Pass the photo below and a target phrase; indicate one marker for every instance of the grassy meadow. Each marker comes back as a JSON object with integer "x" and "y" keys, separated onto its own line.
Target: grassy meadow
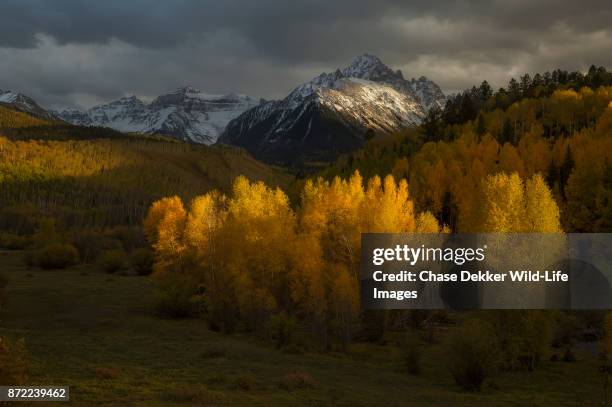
{"x": 99, "y": 334}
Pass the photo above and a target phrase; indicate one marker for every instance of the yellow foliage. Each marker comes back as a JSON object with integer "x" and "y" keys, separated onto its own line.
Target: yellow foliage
{"x": 510, "y": 206}
{"x": 251, "y": 252}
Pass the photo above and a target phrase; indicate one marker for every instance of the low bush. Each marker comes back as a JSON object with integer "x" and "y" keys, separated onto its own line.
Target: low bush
{"x": 281, "y": 329}
{"x": 56, "y": 256}
{"x": 130, "y": 237}
{"x": 14, "y": 242}
{"x": 13, "y": 362}
{"x": 89, "y": 244}
{"x": 176, "y": 299}
{"x": 221, "y": 313}
{"x": 142, "y": 261}
{"x": 113, "y": 261}
{"x": 472, "y": 355}
{"x": 523, "y": 337}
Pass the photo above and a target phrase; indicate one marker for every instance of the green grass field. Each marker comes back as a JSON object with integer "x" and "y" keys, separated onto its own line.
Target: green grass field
{"x": 98, "y": 333}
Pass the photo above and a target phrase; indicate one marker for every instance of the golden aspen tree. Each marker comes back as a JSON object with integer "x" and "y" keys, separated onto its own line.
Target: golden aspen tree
{"x": 541, "y": 211}
{"x": 502, "y": 203}
{"x": 205, "y": 220}
{"x": 258, "y": 234}
{"x": 386, "y": 207}
{"x": 169, "y": 244}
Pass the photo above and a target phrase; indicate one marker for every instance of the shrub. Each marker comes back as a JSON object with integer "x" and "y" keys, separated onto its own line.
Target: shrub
{"x": 472, "y": 355}
{"x": 281, "y": 328}
{"x": 296, "y": 380}
{"x": 130, "y": 237}
{"x": 142, "y": 261}
{"x": 13, "y": 362}
{"x": 176, "y": 299}
{"x": 56, "y": 256}
{"x": 14, "y": 242}
{"x": 88, "y": 243}
{"x": 221, "y": 313}
{"x": 411, "y": 354}
{"x": 523, "y": 337}
{"x": 113, "y": 261}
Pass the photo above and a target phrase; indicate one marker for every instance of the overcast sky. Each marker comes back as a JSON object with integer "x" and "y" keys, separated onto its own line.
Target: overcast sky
{"x": 79, "y": 53}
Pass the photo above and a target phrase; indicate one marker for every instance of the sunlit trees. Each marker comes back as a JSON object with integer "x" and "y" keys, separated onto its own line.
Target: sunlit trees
{"x": 205, "y": 220}
{"x": 165, "y": 226}
{"x": 251, "y": 256}
{"x": 541, "y": 212}
{"x": 507, "y": 205}
{"x": 258, "y": 232}
{"x": 331, "y": 218}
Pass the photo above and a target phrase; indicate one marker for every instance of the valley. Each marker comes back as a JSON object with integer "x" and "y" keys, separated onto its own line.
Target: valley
{"x": 69, "y": 321}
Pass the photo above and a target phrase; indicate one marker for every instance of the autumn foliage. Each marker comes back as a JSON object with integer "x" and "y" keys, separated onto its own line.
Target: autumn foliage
{"x": 250, "y": 255}
{"x": 253, "y": 255}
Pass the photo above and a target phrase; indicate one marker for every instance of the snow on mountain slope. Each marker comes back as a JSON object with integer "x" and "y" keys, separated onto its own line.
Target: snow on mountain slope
{"x": 371, "y": 68}
{"x": 187, "y": 114}
{"x": 332, "y": 113}
{"x": 25, "y": 104}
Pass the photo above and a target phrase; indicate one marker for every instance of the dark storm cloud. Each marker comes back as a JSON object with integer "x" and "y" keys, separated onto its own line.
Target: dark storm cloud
{"x": 79, "y": 52}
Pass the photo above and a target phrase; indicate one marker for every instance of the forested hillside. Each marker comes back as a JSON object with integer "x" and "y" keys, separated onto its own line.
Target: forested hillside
{"x": 96, "y": 177}
{"x": 566, "y": 137}
{"x": 250, "y": 260}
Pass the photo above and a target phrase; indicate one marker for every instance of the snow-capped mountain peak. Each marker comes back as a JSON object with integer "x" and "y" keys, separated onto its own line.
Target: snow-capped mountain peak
{"x": 24, "y": 103}
{"x": 371, "y": 68}
{"x": 331, "y": 113}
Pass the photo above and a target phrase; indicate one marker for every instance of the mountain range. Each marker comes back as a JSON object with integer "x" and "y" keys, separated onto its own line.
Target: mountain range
{"x": 333, "y": 113}
{"x": 186, "y": 114}
{"x": 320, "y": 119}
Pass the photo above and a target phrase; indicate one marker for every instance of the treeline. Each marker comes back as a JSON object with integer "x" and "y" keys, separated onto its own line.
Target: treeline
{"x": 249, "y": 260}
{"x": 564, "y": 137}
{"x": 470, "y": 104}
